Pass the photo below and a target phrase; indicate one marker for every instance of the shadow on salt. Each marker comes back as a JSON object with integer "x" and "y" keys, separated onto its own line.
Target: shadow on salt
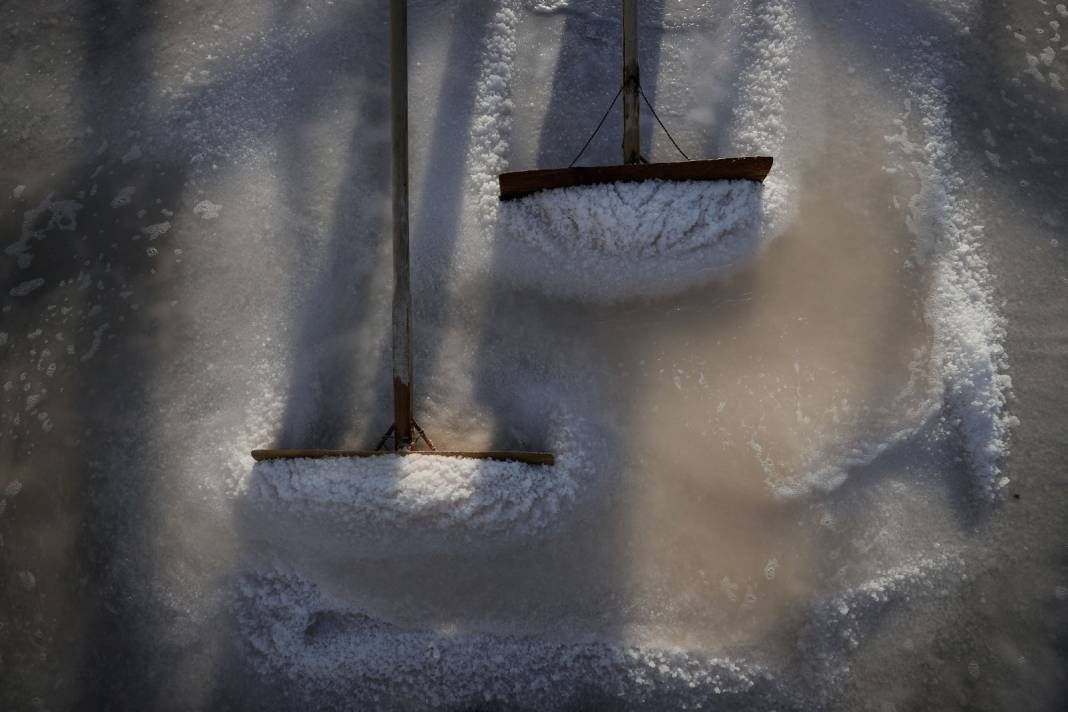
{"x": 614, "y": 242}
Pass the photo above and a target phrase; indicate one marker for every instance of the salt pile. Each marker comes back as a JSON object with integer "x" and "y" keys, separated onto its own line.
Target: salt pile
{"x": 339, "y": 654}
{"x": 968, "y": 330}
{"x": 606, "y": 244}
{"x": 609, "y": 242}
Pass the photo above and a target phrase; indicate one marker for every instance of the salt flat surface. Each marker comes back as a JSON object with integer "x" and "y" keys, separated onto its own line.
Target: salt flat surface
{"x": 809, "y": 433}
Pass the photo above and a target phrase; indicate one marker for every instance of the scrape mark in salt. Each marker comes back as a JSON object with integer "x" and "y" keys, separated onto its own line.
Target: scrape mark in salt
{"x": 207, "y": 209}
{"x": 124, "y": 197}
{"x": 98, "y": 334}
{"x": 26, "y": 287}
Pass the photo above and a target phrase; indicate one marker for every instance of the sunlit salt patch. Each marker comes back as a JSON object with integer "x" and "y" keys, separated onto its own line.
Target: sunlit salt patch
{"x": 619, "y": 241}
{"x": 335, "y": 652}
{"x": 420, "y": 500}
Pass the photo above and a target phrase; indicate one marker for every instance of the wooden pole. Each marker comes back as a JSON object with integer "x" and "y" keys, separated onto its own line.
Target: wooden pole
{"x": 402, "y": 297}
{"x": 631, "y": 129}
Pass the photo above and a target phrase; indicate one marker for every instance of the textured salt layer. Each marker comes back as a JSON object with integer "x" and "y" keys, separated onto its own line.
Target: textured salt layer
{"x": 36, "y": 223}
{"x": 841, "y": 623}
{"x": 610, "y": 242}
{"x": 426, "y": 497}
{"x": 340, "y": 656}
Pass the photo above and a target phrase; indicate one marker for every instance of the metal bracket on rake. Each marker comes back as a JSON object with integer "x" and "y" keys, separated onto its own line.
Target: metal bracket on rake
{"x": 420, "y": 434}
{"x": 382, "y": 443}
